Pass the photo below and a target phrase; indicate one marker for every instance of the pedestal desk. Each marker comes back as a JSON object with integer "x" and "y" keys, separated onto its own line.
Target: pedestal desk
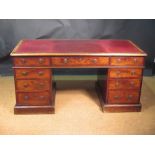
{"x": 120, "y": 60}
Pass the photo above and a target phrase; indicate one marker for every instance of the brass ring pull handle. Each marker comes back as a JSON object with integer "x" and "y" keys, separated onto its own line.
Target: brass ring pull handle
{"x": 65, "y": 60}
{"x": 130, "y": 97}
{"x": 24, "y": 73}
{"x": 26, "y": 85}
{"x": 135, "y": 60}
{"x": 41, "y": 84}
{"x": 133, "y": 72}
{"x": 26, "y": 97}
{"x": 117, "y": 84}
{"x": 116, "y": 97}
{"x": 94, "y": 60}
{"x": 118, "y": 73}
{"x": 41, "y": 60}
{"x": 119, "y": 60}
{"x": 132, "y": 83}
{"x": 23, "y": 61}
{"x": 42, "y": 97}
{"x": 40, "y": 73}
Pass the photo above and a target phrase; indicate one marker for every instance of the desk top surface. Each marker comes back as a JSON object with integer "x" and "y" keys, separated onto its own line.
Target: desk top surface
{"x": 66, "y": 47}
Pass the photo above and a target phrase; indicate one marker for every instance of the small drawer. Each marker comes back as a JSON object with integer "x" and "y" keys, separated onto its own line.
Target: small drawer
{"x": 83, "y": 61}
{"x": 33, "y": 99}
{"x": 124, "y": 73}
{"x": 124, "y": 84}
{"x": 127, "y": 61}
{"x": 32, "y": 85}
{"x": 31, "y": 61}
{"x": 24, "y": 73}
{"x": 120, "y": 97}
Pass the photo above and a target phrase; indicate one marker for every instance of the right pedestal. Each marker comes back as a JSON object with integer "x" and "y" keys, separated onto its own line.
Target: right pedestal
{"x": 120, "y": 89}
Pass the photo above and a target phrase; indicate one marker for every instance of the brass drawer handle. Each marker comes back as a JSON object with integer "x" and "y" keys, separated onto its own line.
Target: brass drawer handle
{"x": 41, "y": 60}
{"x": 135, "y": 60}
{"x": 41, "y": 73}
{"x": 133, "y": 72}
{"x": 132, "y": 83}
{"x": 119, "y": 60}
{"x": 118, "y": 73}
{"x": 130, "y": 97}
{"x": 26, "y": 97}
{"x": 26, "y": 85}
{"x": 42, "y": 97}
{"x": 23, "y": 61}
{"x": 116, "y": 97}
{"x": 65, "y": 60}
{"x": 94, "y": 60}
{"x": 41, "y": 84}
{"x": 116, "y": 84}
{"x": 24, "y": 73}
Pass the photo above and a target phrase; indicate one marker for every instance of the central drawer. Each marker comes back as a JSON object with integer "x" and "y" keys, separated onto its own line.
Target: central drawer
{"x": 32, "y": 85}
{"x": 82, "y": 61}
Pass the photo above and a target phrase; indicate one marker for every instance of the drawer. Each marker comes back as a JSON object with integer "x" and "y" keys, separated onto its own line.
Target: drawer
{"x": 24, "y": 73}
{"x": 83, "y": 61}
{"x": 32, "y": 85}
{"x": 124, "y": 73}
{"x": 31, "y": 61}
{"x": 33, "y": 99}
{"x": 127, "y": 61}
{"x": 117, "y": 96}
{"x": 124, "y": 84}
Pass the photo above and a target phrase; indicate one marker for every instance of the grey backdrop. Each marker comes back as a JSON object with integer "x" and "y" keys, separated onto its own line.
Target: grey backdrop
{"x": 142, "y": 32}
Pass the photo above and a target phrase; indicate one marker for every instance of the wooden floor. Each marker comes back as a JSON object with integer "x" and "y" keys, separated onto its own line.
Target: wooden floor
{"x": 77, "y": 112}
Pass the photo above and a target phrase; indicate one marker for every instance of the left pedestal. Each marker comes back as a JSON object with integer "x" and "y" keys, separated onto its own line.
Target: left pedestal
{"x": 35, "y": 92}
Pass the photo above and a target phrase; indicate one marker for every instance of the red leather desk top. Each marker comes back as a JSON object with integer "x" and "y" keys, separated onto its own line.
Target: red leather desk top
{"x": 48, "y": 47}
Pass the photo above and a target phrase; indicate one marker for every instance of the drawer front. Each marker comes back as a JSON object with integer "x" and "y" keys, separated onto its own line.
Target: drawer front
{"x": 83, "y": 61}
{"x": 23, "y": 73}
{"x": 127, "y": 61}
{"x": 124, "y": 73}
{"x": 33, "y": 99}
{"x": 124, "y": 84}
{"x": 32, "y": 85}
{"x": 31, "y": 61}
{"x": 120, "y": 97}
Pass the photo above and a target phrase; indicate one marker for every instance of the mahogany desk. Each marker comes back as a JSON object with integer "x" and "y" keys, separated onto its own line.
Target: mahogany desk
{"x": 33, "y": 61}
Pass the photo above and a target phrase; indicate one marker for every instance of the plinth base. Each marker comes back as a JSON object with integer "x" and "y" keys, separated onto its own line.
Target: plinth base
{"x": 121, "y": 108}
